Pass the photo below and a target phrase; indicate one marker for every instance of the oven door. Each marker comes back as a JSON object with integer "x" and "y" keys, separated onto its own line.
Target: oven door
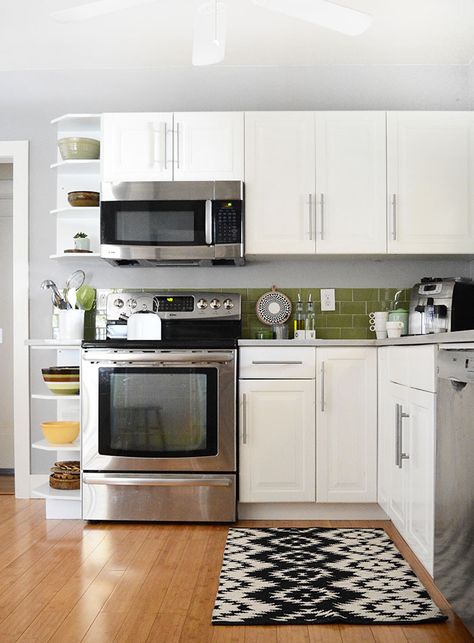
{"x": 158, "y": 410}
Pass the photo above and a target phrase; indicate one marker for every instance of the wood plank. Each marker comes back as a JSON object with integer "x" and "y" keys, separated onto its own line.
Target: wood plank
{"x": 293, "y": 633}
{"x": 324, "y": 634}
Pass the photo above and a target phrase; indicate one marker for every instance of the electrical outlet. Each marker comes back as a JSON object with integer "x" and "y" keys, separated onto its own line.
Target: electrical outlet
{"x": 328, "y": 299}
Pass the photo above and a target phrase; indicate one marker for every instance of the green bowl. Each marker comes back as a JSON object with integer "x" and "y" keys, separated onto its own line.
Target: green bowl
{"x": 77, "y": 147}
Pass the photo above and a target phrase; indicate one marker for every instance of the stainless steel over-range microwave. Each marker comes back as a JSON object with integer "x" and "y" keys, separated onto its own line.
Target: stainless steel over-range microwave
{"x": 172, "y": 223}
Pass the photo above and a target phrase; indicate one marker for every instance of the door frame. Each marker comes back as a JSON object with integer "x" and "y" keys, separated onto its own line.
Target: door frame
{"x": 17, "y": 153}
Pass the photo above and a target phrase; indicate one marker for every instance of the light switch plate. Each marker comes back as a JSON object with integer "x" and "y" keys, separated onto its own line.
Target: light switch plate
{"x": 328, "y": 299}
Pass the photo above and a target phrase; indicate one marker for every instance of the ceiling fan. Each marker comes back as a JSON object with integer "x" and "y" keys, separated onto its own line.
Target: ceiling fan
{"x": 210, "y": 20}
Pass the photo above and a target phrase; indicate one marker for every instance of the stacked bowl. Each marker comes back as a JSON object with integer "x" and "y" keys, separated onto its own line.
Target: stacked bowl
{"x": 62, "y": 380}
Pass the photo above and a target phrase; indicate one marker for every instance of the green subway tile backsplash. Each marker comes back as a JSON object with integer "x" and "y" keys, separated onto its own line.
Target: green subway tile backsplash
{"x": 348, "y": 321}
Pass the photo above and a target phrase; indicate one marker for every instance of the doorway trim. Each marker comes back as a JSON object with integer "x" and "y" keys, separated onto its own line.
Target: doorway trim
{"x": 17, "y": 153}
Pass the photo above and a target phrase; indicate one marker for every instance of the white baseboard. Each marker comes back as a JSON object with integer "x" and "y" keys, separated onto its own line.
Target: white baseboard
{"x": 310, "y": 511}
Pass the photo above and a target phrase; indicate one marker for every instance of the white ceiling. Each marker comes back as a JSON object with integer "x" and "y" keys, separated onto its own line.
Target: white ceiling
{"x": 428, "y": 32}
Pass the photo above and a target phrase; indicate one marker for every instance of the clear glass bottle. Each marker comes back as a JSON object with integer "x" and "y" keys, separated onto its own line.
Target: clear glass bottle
{"x": 310, "y": 319}
{"x": 299, "y": 320}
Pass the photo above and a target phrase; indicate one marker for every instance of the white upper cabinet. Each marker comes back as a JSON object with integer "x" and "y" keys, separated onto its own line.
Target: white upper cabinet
{"x": 203, "y": 146}
{"x": 430, "y": 182}
{"x": 350, "y": 182}
{"x": 137, "y": 147}
{"x": 279, "y": 183}
{"x": 315, "y": 182}
{"x": 346, "y": 420}
{"x": 209, "y": 146}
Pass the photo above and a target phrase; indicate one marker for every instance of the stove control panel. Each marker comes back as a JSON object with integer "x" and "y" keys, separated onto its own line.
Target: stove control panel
{"x": 169, "y": 305}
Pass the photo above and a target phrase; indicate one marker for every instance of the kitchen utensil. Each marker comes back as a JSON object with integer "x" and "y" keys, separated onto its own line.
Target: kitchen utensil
{"x": 85, "y": 297}
{"x": 273, "y": 308}
{"x": 62, "y": 380}
{"x": 56, "y": 296}
{"x": 84, "y": 199}
{"x": 74, "y": 282}
{"x": 381, "y": 334}
{"x": 394, "y": 328}
{"x": 400, "y": 314}
{"x": 280, "y": 331}
{"x": 78, "y": 147}
{"x": 60, "y": 432}
{"x": 144, "y": 324}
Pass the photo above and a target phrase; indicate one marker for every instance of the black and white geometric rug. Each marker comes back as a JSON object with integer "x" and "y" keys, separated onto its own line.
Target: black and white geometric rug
{"x": 318, "y": 575}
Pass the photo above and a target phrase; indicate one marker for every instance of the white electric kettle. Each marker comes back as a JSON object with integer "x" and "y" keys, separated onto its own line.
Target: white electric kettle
{"x": 144, "y": 324}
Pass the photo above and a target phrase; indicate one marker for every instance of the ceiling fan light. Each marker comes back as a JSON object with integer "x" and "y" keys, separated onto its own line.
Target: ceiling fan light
{"x": 323, "y": 13}
{"x": 209, "y": 34}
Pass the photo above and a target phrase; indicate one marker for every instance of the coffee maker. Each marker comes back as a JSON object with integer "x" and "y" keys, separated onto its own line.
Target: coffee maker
{"x": 441, "y": 304}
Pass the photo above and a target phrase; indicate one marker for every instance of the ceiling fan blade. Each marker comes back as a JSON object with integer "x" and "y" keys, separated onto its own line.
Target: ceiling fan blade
{"x": 322, "y": 13}
{"x": 93, "y": 9}
{"x": 209, "y": 33}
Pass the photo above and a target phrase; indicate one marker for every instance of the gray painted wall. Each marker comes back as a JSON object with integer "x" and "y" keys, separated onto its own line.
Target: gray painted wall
{"x": 29, "y": 100}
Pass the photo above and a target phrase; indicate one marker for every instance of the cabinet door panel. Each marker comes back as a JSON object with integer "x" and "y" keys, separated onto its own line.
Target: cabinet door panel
{"x": 277, "y": 441}
{"x": 137, "y": 147}
{"x": 351, "y": 182}
{"x": 347, "y": 425}
{"x": 209, "y": 146}
{"x": 430, "y": 165}
{"x": 420, "y": 472}
{"x": 279, "y": 182}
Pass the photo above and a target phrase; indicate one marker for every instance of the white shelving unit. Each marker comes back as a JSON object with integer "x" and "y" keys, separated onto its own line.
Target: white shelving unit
{"x": 74, "y": 175}
{"x": 60, "y": 504}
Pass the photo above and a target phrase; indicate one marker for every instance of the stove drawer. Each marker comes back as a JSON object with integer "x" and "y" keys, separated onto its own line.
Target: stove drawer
{"x": 159, "y": 497}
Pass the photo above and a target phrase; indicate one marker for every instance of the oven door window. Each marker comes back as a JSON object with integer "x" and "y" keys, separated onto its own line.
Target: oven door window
{"x": 158, "y": 412}
{"x": 153, "y": 223}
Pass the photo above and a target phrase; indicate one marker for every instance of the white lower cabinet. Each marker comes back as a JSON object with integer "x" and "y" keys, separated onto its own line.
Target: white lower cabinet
{"x": 346, "y": 421}
{"x": 407, "y": 444}
{"x": 277, "y": 441}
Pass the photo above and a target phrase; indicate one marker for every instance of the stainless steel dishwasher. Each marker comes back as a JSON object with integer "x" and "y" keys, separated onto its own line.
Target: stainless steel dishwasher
{"x": 454, "y": 484}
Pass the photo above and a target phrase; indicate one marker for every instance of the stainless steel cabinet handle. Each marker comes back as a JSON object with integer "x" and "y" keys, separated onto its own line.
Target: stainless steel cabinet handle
{"x": 165, "y": 146}
{"x": 244, "y": 418}
{"x": 394, "y": 216}
{"x": 276, "y": 362}
{"x": 310, "y": 216}
{"x": 156, "y": 147}
{"x": 208, "y": 222}
{"x": 177, "y": 145}
{"x": 157, "y": 482}
{"x": 322, "y": 216}
{"x": 399, "y": 454}
{"x": 322, "y": 388}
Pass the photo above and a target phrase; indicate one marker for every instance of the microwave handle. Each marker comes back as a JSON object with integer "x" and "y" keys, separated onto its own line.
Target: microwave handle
{"x": 208, "y": 222}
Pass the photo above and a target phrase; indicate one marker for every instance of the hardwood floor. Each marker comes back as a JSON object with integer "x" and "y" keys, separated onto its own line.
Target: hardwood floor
{"x": 7, "y": 485}
{"x": 67, "y": 581}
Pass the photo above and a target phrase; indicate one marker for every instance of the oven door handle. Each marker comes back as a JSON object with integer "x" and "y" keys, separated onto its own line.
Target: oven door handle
{"x": 167, "y": 358}
{"x": 157, "y": 482}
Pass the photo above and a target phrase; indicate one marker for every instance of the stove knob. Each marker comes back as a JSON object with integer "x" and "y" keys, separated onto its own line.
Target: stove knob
{"x": 132, "y": 303}
{"x": 215, "y": 304}
{"x": 228, "y": 304}
{"x": 202, "y": 304}
{"x": 119, "y": 303}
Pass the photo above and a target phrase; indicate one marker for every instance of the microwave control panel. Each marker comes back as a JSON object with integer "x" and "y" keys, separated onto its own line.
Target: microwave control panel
{"x": 227, "y": 217}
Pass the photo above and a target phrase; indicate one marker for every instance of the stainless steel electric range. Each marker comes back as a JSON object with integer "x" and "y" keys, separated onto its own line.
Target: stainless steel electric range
{"x": 159, "y": 417}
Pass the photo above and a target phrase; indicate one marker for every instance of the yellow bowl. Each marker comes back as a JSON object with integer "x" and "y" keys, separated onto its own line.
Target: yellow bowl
{"x": 60, "y": 432}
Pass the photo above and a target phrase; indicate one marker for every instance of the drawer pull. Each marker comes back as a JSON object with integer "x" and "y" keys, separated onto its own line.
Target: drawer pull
{"x": 272, "y": 363}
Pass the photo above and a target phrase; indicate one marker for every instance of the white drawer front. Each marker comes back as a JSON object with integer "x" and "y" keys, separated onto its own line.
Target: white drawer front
{"x": 414, "y": 366}
{"x": 283, "y": 362}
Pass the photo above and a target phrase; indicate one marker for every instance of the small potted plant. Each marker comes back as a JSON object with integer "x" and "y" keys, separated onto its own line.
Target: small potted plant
{"x": 81, "y": 241}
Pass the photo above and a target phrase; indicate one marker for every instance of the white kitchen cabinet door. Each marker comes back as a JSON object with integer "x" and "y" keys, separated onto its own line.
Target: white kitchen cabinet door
{"x": 412, "y": 476}
{"x": 351, "y": 182}
{"x": 430, "y": 188}
{"x": 277, "y": 441}
{"x": 346, "y": 424}
{"x": 137, "y": 147}
{"x": 279, "y": 183}
{"x": 209, "y": 146}
{"x": 420, "y": 471}
{"x": 384, "y": 436}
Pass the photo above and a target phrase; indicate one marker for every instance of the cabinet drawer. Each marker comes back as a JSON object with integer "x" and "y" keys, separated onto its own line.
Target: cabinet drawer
{"x": 413, "y": 366}
{"x": 277, "y": 363}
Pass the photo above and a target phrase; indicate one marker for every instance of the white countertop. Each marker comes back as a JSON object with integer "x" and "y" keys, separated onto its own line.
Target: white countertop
{"x": 463, "y": 336}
